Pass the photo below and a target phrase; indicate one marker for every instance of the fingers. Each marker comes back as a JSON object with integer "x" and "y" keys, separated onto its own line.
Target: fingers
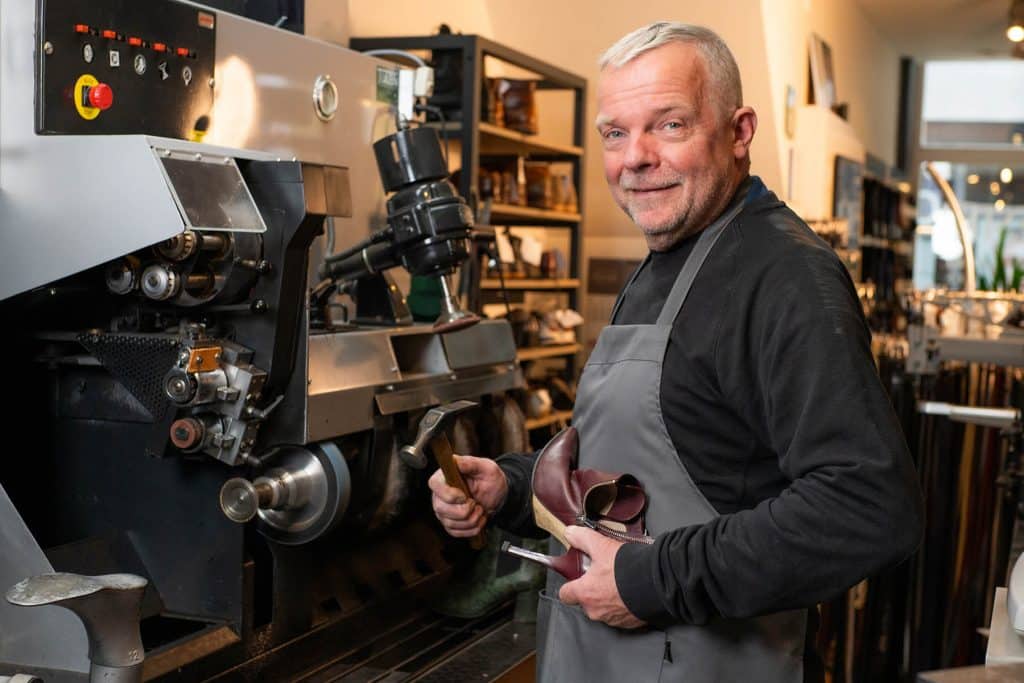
{"x": 462, "y": 516}
{"x": 583, "y": 538}
{"x": 441, "y": 489}
{"x": 460, "y": 521}
{"x": 569, "y": 593}
{"x": 471, "y": 465}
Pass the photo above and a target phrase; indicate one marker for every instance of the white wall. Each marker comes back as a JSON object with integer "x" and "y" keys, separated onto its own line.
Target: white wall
{"x": 866, "y": 69}
{"x": 768, "y": 37}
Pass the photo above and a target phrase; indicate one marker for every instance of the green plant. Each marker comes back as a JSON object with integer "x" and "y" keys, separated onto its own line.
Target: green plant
{"x": 999, "y": 282}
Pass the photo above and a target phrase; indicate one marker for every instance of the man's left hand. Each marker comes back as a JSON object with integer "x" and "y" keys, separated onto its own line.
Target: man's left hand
{"x": 596, "y": 591}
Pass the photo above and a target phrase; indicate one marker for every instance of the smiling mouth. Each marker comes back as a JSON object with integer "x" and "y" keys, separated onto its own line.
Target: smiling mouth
{"x": 649, "y": 190}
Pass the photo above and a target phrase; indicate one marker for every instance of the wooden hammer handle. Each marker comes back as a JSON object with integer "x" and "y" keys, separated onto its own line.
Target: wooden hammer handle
{"x": 445, "y": 455}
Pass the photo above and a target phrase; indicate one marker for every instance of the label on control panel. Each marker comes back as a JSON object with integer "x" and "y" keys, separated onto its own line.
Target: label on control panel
{"x": 387, "y": 85}
{"x": 115, "y": 59}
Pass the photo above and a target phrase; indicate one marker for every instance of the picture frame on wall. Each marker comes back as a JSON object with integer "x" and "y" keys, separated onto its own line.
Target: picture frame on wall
{"x": 823, "y": 81}
{"x": 848, "y": 196}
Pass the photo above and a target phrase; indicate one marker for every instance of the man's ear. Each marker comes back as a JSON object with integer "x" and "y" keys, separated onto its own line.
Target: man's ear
{"x": 744, "y": 125}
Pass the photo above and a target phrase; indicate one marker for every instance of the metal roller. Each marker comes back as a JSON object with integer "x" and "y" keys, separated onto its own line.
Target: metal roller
{"x": 298, "y": 499}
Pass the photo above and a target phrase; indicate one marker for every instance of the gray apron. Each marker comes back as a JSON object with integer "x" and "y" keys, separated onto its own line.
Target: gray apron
{"x": 618, "y": 415}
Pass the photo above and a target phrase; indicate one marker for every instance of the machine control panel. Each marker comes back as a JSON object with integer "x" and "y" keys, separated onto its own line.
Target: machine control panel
{"x": 124, "y": 67}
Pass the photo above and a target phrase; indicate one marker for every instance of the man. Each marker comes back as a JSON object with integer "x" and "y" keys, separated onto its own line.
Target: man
{"x": 739, "y": 389}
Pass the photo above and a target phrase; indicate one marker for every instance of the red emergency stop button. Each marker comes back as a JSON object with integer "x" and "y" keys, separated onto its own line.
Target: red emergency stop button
{"x": 101, "y": 96}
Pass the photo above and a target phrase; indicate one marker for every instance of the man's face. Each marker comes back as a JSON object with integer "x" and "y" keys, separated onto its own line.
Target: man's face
{"x": 668, "y": 149}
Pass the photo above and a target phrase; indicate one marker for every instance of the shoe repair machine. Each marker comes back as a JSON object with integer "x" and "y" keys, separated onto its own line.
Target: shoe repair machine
{"x": 202, "y": 462}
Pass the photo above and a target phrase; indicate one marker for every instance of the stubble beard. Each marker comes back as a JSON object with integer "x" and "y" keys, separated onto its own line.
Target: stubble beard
{"x": 689, "y": 216}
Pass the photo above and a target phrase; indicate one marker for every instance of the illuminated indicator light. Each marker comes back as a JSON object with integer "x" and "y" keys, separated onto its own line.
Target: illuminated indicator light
{"x": 1006, "y": 175}
{"x": 160, "y": 47}
{"x": 206, "y": 20}
{"x": 135, "y": 42}
{"x": 993, "y": 187}
{"x": 183, "y": 52}
{"x": 109, "y": 35}
{"x": 973, "y": 179}
{"x": 81, "y": 28}
{"x": 1000, "y": 205}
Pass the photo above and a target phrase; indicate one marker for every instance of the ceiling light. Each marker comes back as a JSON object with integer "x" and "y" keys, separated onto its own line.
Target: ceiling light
{"x": 1015, "y": 25}
{"x": 1000, "y": 205}
{"x": 1006, "y": 175}
{"x": 973, "y": 179}
{"x": 993, "y": 187}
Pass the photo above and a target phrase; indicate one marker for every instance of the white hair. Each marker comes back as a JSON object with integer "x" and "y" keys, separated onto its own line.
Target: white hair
{"x": 723, "y": 73}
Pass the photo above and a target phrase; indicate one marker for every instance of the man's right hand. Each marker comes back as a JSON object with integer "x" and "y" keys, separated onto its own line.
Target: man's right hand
{"x": 466, "y": 518}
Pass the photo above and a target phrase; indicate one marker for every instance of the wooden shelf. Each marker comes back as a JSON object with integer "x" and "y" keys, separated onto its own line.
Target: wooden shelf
{"x": 504, "y": 213}
{"x": 530, "y": 283}
{"x": 553, "y": 351}
{"x": 898, "y": 246}
{"x": 549, "y": 419}
{"x": 497, "y": 140}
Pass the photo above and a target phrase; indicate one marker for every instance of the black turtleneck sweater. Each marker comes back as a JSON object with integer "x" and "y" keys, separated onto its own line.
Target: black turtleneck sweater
{"x": 772, "y": 400}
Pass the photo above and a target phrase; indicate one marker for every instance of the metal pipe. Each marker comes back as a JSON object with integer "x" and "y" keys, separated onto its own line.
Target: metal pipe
{"x": 961, "y": 225}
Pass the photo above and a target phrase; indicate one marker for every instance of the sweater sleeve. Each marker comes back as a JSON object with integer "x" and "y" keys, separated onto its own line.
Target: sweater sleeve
{"x": 516, "y": 513}
{"x": 796, "y": 364}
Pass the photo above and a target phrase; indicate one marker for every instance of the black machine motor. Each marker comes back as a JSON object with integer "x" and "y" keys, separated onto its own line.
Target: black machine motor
{"x": 428, "y": 229}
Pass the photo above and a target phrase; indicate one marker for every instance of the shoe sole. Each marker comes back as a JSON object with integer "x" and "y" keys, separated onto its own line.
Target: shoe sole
{"x": 547, "y": 521}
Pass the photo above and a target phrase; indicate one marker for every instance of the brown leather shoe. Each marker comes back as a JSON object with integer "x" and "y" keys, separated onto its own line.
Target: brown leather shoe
{"x": 610, "y": 503}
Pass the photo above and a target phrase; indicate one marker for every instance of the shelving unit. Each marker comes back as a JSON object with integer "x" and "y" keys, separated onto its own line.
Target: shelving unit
{"x": 531, "y": 284}
{"x": 469, "y": 57}
{"x": 554, "y": 351}
{"x": 555, "y": 417}
{"x": 511, "y": 213}
{"x": 902, "y": 247}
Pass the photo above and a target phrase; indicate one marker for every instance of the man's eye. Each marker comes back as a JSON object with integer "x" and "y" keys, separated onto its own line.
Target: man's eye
{"x": 612, "y": 134}
{"x": 673, "y": 125}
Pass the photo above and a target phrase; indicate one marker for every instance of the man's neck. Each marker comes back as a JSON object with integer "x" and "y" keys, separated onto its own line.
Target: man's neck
{"x": 735, "y": 192}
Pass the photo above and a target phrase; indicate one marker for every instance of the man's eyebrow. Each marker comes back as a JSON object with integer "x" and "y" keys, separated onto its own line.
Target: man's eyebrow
{"x": 685, "y": 111}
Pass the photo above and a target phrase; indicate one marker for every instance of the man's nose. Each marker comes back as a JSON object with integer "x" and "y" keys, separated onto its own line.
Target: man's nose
{"x": 641, "y": 152}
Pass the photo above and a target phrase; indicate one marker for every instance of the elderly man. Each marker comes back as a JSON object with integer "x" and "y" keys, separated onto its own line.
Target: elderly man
{"x": 736, "y": 382}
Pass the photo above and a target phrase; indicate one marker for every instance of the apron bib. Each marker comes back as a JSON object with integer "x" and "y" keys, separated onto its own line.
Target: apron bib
{"x": 621, "y": 428}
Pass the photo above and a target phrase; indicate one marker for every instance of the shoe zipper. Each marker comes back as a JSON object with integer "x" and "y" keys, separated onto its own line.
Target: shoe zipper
{"x": 617, "y": 535}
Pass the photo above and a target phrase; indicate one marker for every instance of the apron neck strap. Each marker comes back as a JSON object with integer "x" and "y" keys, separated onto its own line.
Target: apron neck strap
{"x": 622, "y": 292}
{"x": 705, "y": 243}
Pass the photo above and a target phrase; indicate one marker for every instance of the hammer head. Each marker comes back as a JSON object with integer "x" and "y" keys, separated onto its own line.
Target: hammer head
{"x": 432, "y": 424}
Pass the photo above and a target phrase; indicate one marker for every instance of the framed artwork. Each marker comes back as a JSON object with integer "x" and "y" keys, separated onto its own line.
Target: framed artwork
{"x": 823, "y": 81}
{"x": 848, "y": 196}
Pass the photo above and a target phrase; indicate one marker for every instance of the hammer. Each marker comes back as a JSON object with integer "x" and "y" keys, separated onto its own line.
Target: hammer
{"x": 432, "y": 431}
